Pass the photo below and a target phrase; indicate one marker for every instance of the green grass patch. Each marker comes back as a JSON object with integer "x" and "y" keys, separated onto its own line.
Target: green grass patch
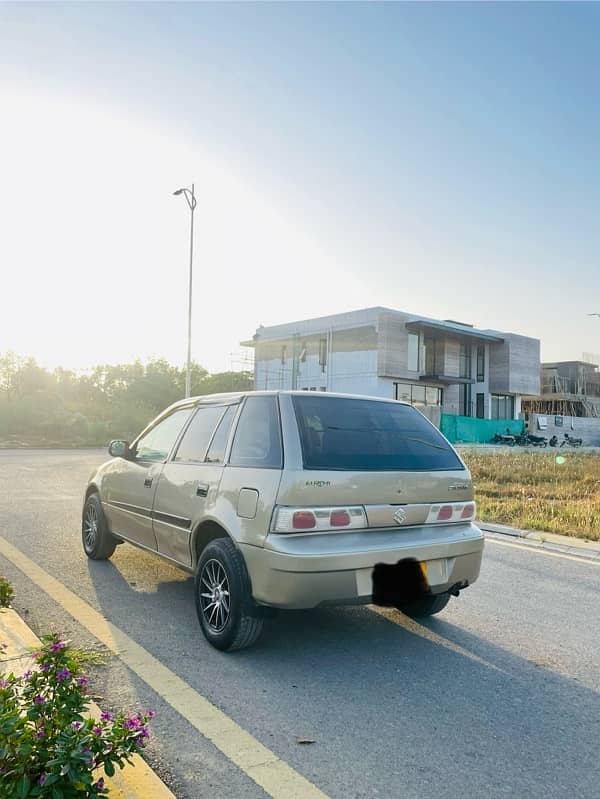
{"x": 529, "y": 489}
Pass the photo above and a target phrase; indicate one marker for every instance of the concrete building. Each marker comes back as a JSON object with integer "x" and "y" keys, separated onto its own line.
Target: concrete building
{"x": 439, "y": 366}
{"x": 568, "y": 388}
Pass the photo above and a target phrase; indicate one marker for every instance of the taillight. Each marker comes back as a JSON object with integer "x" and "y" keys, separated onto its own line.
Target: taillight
{"x": 339, "y": 518}
{"x": 292, "y": 520}
{"x": 451, "y": 512}
{"x": 444, "y": 513}
{"x": 303, "y": 520}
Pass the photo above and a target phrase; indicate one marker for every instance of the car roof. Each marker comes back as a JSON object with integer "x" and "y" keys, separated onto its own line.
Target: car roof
{"x": 235, "y": 396}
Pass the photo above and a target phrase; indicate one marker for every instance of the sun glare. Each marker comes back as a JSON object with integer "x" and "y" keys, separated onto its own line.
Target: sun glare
{"x": 94, "y": 249}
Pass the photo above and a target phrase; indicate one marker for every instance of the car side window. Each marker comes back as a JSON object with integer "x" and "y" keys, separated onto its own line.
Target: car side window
{"x": 257, "y": 439}
{"x": 156, "y": 444}
{"x": 192, "y": 447}
{"x": 216, "y": 452}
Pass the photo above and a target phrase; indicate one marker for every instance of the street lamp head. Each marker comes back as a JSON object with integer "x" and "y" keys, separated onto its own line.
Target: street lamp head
{"x": 179, "y": 191}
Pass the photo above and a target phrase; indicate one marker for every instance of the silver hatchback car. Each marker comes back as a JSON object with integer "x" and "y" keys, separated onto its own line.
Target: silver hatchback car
{"x": 291, "y": 500}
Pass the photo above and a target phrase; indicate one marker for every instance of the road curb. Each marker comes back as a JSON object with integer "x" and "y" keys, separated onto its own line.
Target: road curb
{"x": 550, "y": 541}
{"x": 135, "y": 781}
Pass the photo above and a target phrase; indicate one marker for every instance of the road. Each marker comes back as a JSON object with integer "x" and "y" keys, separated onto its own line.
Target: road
{"x": 498, "y": 696}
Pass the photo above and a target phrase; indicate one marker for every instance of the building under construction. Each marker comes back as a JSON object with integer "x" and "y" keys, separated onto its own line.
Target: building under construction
{"x": 569, "y": 388}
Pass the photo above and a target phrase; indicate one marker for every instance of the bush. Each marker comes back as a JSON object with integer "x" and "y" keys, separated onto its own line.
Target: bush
{"x": 48, "y": 746}
{"x": 6, "y": 592}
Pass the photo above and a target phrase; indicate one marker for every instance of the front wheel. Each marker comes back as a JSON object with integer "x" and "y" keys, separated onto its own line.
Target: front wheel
{"x": 98, "y": 542}
{"x": 426, "y": 605}
{"x": 223, "y": 598}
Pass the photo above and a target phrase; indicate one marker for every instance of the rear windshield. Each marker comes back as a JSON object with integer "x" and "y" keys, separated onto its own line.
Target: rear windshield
{"x": 364, "y": 435}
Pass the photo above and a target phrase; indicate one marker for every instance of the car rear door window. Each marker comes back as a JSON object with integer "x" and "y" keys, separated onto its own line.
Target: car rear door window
{"x": 367, "y": 435}
{"x": 216, "y": 451}
{"x": 194, "y": 443}
{"x": 257, "y": 439}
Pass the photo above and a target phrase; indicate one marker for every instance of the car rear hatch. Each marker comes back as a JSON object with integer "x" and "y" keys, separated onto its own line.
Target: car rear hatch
{"x": 370, "y": 464}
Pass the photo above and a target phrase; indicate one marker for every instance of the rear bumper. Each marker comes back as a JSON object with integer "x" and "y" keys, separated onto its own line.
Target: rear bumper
{"x": 303, "y": 571}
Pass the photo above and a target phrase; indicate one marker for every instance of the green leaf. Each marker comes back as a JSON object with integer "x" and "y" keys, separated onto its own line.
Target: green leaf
{"x": 23, "y": 786}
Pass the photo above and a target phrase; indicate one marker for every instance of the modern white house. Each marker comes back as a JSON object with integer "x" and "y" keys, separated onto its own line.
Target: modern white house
{"x": 448, "y": 366}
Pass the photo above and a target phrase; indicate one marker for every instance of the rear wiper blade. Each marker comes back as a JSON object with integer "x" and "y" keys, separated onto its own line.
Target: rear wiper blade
{"x": 428, "y": 443}
{"x": 383, "y": 430}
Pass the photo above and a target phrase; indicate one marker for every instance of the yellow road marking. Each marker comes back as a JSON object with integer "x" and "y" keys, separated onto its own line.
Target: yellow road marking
{"x": 412, "y": 626}
{"x": 274, "y": 776}
{"x": 542, "y": 551}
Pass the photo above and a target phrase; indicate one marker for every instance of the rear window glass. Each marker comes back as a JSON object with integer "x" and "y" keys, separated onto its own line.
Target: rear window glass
{"x": 257, "y": 439}
{"x": 363, "y": 435}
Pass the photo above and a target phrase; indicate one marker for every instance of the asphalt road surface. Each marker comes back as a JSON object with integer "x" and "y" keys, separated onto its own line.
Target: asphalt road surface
{"x": 498, "y": 696}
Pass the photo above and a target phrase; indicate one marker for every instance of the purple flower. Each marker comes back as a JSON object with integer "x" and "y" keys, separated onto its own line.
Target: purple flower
{"x": 100, "y": 784}
{"x": 82, "y": 681}
{"x": 105, "y": 716}
{"x": 63, "y": 674}
{"x": 97, "y": 730}
{"x": 26, "y": 675}
{"x": 150, "y": 713}
{"x": 108, "y": 747}
{"x": 45, "y": 666}
{"x": 77, "y": 725}
{"x": 39, "y": 735}
{"x": 38, "y": 700}
{"x": 42, "y": 779}
{"x": 57, "y": 645}
{"x": 3, "y": 683}
{"x": 35, "y": 654}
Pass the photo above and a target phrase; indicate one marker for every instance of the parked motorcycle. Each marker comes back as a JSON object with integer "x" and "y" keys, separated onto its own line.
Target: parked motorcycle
{"x": 571, "y": 441}
{"x": 537, "y": 441}
{"x": 501, "y": 438}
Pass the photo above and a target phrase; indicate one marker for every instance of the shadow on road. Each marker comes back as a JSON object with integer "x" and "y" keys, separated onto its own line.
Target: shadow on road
{"x": 385, "y": 706}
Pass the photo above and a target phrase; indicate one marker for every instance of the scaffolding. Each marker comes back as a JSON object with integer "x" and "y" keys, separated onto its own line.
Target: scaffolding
{"x": 571, "y": 388}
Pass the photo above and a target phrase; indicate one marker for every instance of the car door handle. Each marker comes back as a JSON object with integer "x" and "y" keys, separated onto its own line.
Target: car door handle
{"x": 202, "y": 489}
{"x": 148, "y": 481}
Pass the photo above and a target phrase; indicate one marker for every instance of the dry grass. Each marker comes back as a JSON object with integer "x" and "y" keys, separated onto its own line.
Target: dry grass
{"x": 529, "y": 489}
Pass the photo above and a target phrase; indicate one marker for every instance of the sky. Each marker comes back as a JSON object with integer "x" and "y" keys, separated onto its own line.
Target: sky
{"x": 438, "y": 158}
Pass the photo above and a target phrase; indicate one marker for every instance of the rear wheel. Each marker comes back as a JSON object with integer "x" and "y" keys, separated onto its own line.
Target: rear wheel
{"x": 223, "y": 598}
{"x": 426, "y": 605}
{"x": 98, "y": 542}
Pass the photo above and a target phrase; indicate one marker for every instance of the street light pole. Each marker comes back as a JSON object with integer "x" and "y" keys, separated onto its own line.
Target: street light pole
{"x": 191, "y": 201}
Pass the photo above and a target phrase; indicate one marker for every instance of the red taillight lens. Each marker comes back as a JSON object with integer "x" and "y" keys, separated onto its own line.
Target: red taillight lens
{"x": 304, "y": 520}
{"x": 468, "y": 512}
{"x": 444, "y": 513}
{"x": 339, "y": 518}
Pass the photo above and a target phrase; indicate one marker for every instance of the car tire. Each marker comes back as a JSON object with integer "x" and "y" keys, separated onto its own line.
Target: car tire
{"x": 98, "y": 542}
{"x": 426, "y": 605}
{"x": 223, "y": 598}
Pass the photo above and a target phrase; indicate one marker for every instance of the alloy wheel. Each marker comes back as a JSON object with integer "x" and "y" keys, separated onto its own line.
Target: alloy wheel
{"x": 90, "y": 527}
{"x": 214, "y": 595}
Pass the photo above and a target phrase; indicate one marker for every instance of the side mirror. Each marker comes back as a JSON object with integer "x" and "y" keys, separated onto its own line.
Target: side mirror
{"x": 118, "y": 448}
